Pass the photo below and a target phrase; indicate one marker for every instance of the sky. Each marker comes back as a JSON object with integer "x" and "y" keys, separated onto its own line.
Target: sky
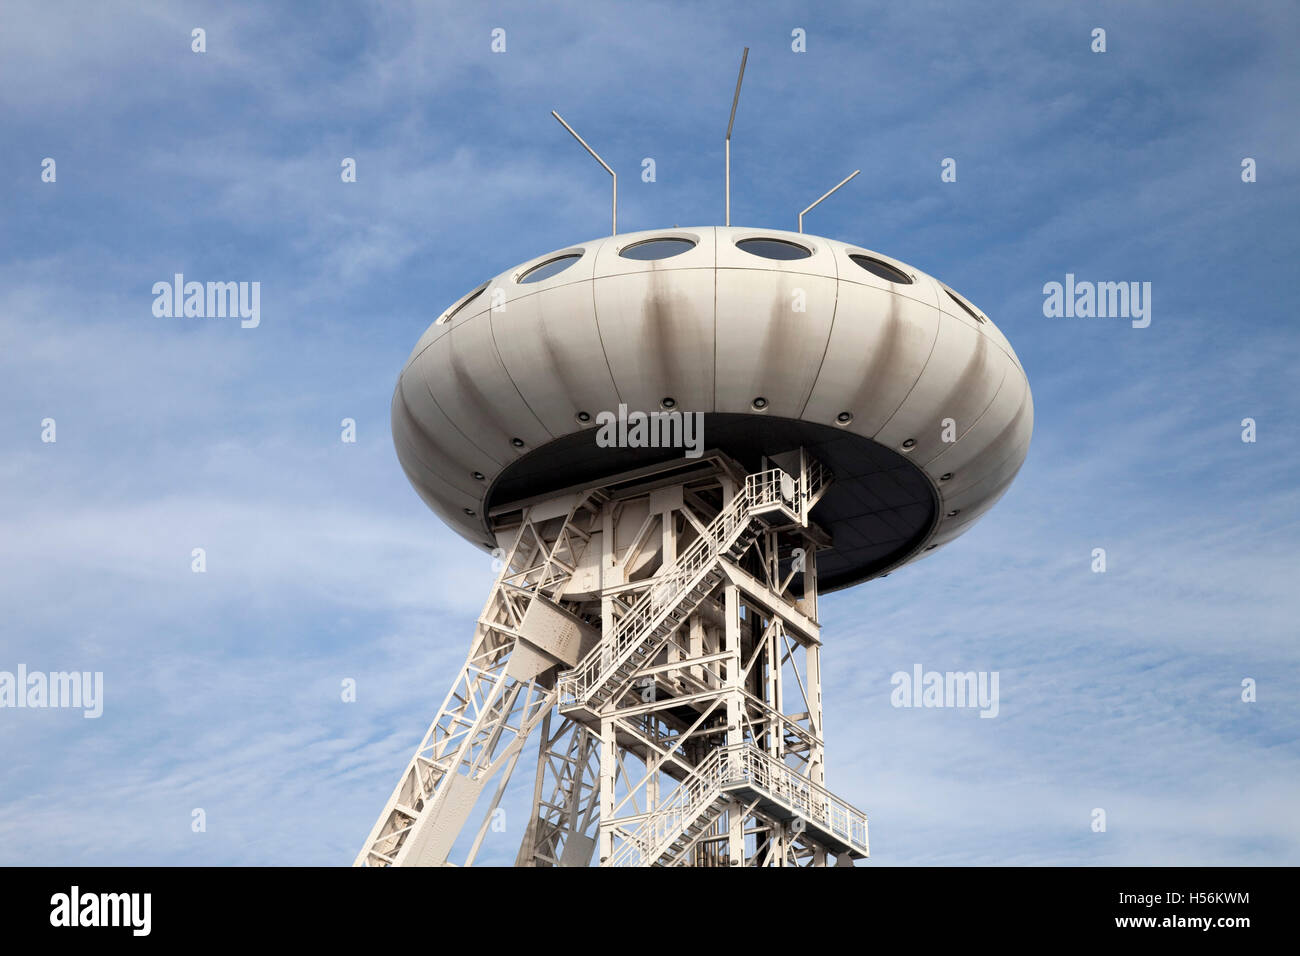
{"x": 1120, "y": 691}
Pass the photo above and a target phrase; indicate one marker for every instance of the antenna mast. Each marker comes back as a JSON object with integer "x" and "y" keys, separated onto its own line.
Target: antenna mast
{"x": 614, "y": 229}
{"x": 734, "y": 100}
{"x": 827, "y": 193}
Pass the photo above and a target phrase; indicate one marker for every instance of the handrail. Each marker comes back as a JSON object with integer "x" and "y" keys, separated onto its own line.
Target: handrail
{"x": 817, "y": 804}
{"x": 654, "y": 836}
{"x": 726, "y": 767}
{"x": 763, "y": 491}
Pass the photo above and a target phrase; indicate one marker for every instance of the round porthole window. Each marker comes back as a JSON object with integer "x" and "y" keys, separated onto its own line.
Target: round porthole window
{"x": 966, "y": 306}
{"x": 773, "y": 249}
{"x": 882, "y": 269}
{"x": 651, "y": 249}
{"x": 460, "y": 307}
{"x": 550, "y": 267}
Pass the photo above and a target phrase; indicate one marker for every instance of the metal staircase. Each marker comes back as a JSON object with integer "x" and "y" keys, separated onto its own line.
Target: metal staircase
{"x": 668, "y": 833}
{"x": 679, "y": 590}
{"x": 673, "y": 826}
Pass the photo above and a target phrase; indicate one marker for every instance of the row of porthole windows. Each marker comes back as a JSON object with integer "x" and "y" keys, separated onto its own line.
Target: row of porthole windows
{"x": 669, "y": 246}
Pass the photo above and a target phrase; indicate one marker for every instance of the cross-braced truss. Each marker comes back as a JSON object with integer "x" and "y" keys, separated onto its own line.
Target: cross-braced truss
{"x": 562, "y": 830}
{"x": 504, "y": 691}
{"x": 687, "y": 722}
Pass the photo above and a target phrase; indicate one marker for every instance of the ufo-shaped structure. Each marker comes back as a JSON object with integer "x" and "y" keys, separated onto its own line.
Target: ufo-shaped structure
{"x": 905, "y": 390}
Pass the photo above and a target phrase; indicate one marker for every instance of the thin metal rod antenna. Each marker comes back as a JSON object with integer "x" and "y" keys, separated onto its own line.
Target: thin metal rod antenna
{"x": 731, "y": 122}
{"x": 828, "y": 192}
{"x": 614, "y": 230}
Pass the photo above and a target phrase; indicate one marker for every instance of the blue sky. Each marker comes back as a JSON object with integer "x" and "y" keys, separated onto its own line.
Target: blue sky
{"x": 1119, "y": 690}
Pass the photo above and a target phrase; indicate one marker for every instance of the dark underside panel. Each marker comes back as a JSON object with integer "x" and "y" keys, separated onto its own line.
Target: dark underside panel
{"x": 879, "y": 509}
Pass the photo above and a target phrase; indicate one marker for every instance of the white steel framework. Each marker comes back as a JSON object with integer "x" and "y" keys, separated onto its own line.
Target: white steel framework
{"x": 660, "y": 636}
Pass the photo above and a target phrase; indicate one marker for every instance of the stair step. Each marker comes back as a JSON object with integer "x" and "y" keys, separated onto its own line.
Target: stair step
{"x": 731, "y": 534}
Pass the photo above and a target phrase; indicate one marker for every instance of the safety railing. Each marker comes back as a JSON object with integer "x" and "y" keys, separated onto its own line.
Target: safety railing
{"x": 743, "y": 765}
{"x": 809, "y": 800}
{"x": 670, "y": 819}
{"x": 763, "y": 491}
